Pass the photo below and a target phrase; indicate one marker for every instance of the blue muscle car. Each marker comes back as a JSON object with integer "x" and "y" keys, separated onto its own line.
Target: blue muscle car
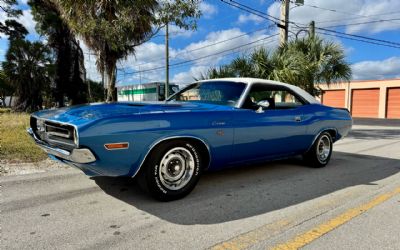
{"x": 208, "y": 125}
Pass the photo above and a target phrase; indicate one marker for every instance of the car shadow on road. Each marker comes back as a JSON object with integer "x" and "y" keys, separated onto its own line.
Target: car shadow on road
{"x": 373, "y": 134}
{"x": 253, "y": 190}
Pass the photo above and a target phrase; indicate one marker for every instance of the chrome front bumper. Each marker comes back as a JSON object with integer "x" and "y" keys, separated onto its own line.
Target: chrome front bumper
{"x": 77, "y": 155}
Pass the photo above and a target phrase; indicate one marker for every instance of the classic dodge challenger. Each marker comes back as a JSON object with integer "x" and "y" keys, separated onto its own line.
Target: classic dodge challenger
{"x": 208, "y": 125}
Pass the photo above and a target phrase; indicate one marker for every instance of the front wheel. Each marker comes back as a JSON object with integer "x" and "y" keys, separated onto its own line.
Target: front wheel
{"x": 320, "y": 153}
{"x": 172, "y": 170}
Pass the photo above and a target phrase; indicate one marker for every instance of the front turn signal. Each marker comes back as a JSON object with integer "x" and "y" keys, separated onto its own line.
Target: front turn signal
{"x": 118, "y": 145}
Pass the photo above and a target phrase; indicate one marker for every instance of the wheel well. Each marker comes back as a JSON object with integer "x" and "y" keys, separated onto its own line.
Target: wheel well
{"x": 333, "y": 134}
{"x": 199, "y": 144}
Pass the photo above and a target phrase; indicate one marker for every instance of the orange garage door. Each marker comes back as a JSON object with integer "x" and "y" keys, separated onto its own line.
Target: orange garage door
{"x": 365, "y": 103}
{"x": 393, "y": 103}
{"x": 334, "y": 98}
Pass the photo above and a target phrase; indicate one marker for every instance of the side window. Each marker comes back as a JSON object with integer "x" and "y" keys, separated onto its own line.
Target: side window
{"x": 278, "y": 97}
{"x": 285, "y": 99}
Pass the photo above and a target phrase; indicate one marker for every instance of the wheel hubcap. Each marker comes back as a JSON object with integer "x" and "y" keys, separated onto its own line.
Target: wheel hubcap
{"x": 323, "y": 148}
{"x": 176, "y": 168}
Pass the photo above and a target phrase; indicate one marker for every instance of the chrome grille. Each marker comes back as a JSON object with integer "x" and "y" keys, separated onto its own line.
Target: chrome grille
{"x": 55, "y": 134}
{"x": 57, "y": 131}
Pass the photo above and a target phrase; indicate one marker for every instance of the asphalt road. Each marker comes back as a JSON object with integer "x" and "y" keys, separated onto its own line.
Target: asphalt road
{"x": 353, "y": 203}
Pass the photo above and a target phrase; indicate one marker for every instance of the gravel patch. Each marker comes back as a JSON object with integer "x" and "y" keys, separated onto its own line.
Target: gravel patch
{"x": 8, "y": 168}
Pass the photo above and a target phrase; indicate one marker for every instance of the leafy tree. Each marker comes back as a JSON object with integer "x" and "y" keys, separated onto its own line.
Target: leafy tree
{"x": 257, "y": 64}
{"x": 97, "y": 91}
{"x": 113, "y": 29}
{"x": 69, "y": 66}
{"x": 303, "y": 62}
{"x": 28, "y": 66}
{"x": 220, "y": 72}
{"x": 8, "y": 7}
{"x": 10, "y": 27}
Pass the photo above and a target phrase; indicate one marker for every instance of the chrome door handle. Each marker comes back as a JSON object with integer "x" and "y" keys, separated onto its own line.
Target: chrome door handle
{"x": 297, "y": 119}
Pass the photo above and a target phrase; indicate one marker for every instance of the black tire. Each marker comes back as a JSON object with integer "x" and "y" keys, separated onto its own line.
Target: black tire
{"x": 166, "y": 161}
{"x": 320, "y": 152}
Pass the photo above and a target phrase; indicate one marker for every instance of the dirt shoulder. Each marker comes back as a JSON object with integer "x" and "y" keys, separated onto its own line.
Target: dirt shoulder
{"x": 8, "y": 168}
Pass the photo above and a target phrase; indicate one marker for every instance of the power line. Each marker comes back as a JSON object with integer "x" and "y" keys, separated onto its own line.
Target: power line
{"x": 342, "y": 12}
{"x": 356, "y": 39}
{"x": 202, "y": 57}
{"x": 342, "y": 33}
{"x": 204, "y": 47}
{"x": 207, "y": 56}
{"x": 232, "y": 53}
{"x": 250, "y": 10}
{"x": 355, "y": 18}
{"x": 358, "y": 36}
{"x": 352, "y": 24}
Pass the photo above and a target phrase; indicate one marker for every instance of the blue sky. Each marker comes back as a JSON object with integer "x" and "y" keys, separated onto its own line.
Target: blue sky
{"x": 223, "y": 28}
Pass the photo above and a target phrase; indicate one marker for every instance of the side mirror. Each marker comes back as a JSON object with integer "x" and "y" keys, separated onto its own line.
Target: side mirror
{"x": 175, "y": 89}
{"x": 264, "y": 104}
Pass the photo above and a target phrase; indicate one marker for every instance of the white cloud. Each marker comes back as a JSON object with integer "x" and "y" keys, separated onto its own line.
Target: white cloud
{"x": 388, "y": 68}
{"x": 213, "y": 45}
{"x": 354, "y": 12}
{"x": 138, "y": 67}
{"x": 175, "y": 31}
{"x": 152, "y": 56}
{"x": 90, "y": 63}
{"x": 216, "y": 43}
{"x": 372, "y": 8}
{"x": 208, "y": 10}
{"x": 249, "y": 18}
{"x": 27, "y": 20}
{"x": 189, "y": 76}
{"x": 148, "y": 56}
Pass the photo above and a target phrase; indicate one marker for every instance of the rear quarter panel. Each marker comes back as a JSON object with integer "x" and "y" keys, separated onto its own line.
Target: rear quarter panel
{"x": 319, "y": 118}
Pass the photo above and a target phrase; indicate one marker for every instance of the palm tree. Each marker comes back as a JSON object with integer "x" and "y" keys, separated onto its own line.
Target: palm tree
{"x": 28, "y": 66}
{"x": 311, "y": 60}
{"x": 10, "y": 27}
{"x": 256, "y": 64}
{"x": 303, "y": 62}
{"x": 69, "y": 66}
{"x": 113, "y": 29}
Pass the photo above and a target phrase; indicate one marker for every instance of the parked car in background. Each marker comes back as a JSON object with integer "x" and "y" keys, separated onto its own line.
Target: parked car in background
{"x": 208, "y": 125}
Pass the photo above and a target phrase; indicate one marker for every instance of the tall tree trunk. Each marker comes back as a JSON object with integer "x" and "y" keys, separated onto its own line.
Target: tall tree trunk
{"x": 111, "y": 77}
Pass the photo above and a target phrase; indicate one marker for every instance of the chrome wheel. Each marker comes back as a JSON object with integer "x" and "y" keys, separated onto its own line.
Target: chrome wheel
{"x": 323, "y": 148}
{"x": 176, "y": 168}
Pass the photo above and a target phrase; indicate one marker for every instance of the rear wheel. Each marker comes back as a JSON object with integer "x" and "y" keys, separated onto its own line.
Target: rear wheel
{"x": 172, "y": 170}
{"x": 320, "y": 153}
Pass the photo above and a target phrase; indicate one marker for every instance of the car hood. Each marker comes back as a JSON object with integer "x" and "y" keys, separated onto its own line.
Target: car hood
{"x": 82, "y": 114}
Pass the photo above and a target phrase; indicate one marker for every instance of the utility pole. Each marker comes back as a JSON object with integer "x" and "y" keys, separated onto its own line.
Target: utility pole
{"x": 166, "y": 90}
{"x": 284, "y": 25}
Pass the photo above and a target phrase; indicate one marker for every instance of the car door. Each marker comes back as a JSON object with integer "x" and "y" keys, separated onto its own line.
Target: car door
{"x": 273, "y": 132}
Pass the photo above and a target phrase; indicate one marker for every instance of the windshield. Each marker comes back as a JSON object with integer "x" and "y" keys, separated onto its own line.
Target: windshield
{"x": 216, "y": 92}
